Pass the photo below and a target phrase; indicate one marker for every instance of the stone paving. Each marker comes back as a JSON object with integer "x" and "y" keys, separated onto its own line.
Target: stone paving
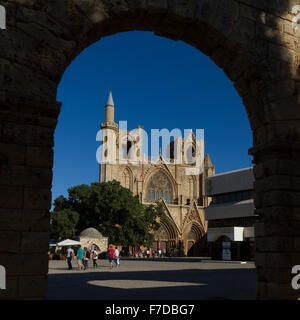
{"x": 155, "y": 280}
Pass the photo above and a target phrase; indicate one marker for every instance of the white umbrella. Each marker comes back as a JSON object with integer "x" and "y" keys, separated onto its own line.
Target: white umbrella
{"x": 68, "y": 242}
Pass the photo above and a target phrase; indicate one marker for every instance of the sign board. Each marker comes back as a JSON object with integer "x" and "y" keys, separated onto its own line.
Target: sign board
{"x": 226, "y": 252}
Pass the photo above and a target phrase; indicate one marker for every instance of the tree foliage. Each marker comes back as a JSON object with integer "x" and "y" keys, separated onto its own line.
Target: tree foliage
{"x": 114, "y": 211}
{"x": 63, "y": 224}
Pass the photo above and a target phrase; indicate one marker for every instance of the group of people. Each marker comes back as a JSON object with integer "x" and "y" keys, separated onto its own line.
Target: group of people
{"x": 114, "y": 257}
{"x": 160, "y": 253}
{"x": 83, "y": 256}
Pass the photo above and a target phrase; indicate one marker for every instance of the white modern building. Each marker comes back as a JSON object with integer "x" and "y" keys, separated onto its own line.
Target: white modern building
{"x": 230, "y": 215}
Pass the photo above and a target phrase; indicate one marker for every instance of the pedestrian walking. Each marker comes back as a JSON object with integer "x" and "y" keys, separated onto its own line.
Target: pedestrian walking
{"x": 70, "y": 255}
{"x": 172, "y": 252}
{"x": 95, "y": 258}
{"x": 111, "y": 256}
{"x": 86, "y": 258}
{"x": 80, "y": 254}
{"x": 117, "y": 257}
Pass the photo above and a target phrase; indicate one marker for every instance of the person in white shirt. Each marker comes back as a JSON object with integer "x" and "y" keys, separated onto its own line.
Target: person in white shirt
{"x": 117, "y": 257}
{"x": 164, "y": 252}
{"x": 70, "y": 255}
{"x": 95, "y": 258}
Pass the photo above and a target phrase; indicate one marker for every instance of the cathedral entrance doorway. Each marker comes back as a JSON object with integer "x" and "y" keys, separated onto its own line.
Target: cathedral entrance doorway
{"x": 194, "y": 240}
{"x": 165, "y": 238}
{"x": 190, "y": 248}
{"x": 163, "y": 245}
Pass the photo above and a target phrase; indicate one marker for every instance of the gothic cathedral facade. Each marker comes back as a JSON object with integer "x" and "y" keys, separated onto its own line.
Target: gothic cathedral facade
{"x": 161, "y": 179}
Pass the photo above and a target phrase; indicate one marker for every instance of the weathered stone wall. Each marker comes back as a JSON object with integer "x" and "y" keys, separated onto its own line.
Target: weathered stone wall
{"x": 102, "y": 243}
{"x": 251, "y": 40}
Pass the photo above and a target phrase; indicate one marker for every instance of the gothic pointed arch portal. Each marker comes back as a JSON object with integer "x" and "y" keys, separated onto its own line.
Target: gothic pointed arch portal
{"x": 194, "y": 237}
{"x": 254, "y": 43}
{"x": 165, "y": 237}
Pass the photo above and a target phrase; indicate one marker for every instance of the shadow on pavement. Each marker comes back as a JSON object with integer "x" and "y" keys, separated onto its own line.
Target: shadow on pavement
{"x": 189, "y": 284}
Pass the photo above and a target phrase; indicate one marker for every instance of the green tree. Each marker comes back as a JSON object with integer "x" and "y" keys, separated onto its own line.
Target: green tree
{"x": 114, "y": 211}
{"x": 63, "y": 223}
{"x": 153, "y": 214}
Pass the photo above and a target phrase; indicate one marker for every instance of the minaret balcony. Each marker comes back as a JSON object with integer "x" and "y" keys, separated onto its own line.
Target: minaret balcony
{"x": 109, "y": 125}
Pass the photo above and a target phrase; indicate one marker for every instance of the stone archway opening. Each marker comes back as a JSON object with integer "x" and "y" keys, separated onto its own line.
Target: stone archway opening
{"x": 254, "y": 45}
{"x": 195, "y": 240}
{"x": 165, "y": 238}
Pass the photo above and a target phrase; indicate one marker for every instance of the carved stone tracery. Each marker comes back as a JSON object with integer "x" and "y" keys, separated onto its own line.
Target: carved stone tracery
{"x": 159, "y": 187}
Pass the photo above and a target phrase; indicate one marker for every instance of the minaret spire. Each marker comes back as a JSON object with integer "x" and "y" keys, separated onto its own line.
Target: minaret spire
{"x": 110, "y": 109}
{"x": 110, "y": 101}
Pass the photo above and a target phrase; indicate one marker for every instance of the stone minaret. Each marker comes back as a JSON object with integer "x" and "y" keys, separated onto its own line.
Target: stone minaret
{"x": 110, "y": 110}
{"x": 109, "y": 147}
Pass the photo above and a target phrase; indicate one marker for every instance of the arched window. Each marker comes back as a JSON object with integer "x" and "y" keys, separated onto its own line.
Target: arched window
{"x": 125, "y": 147}
{"x": 126, "y": 179}
{"x": 190, "y": 154}
{"x": 159, "y": 187}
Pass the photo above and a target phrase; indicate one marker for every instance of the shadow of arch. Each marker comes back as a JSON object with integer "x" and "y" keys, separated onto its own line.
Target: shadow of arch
{"x": 184, "y": 283}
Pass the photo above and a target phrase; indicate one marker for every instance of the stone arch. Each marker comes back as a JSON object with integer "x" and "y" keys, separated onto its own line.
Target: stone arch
{"x": 195, "y": 226}
{"x": 127, "y": 178}
{"x": 254, "y": 44}
{"x": 126, "y": 143}
{"x": 166, "y": 236}
{"x": 193, "y": 239}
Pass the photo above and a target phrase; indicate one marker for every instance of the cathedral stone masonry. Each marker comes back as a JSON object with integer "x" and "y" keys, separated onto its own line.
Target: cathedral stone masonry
{"x": 255, "y": 44}
{"x": 158, "y": 178}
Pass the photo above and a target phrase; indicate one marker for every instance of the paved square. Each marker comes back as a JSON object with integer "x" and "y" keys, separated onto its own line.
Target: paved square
{"x": 155, "y": 280}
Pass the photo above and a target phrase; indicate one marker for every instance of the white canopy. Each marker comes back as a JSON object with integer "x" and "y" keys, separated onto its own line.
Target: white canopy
{"x": 68, "y": 242}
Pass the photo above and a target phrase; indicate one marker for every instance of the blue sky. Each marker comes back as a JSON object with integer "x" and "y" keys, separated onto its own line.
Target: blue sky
{"x": 157, "y": 83}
